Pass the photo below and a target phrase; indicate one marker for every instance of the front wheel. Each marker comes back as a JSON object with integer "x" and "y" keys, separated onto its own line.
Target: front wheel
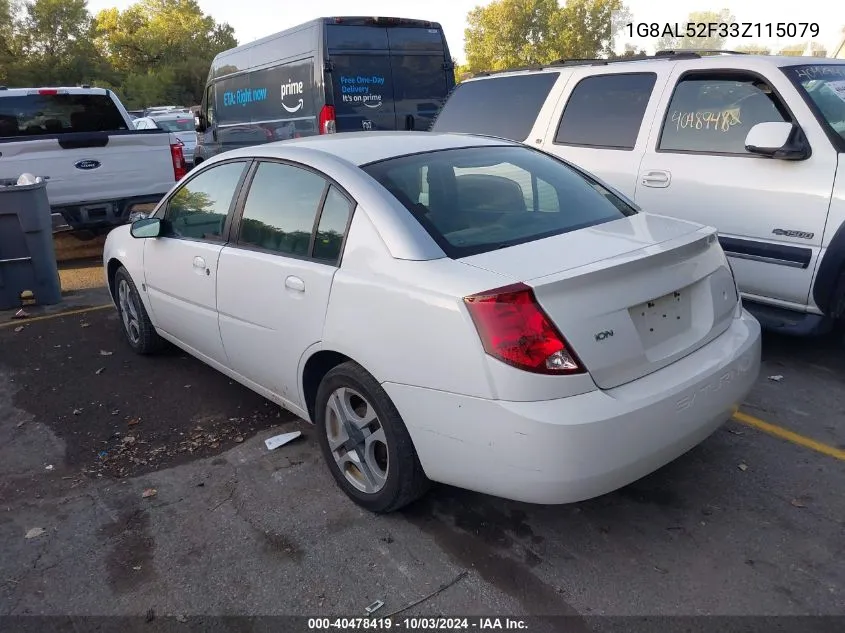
{"x": 137, "y": 327}
{"x": 365, "y": 443}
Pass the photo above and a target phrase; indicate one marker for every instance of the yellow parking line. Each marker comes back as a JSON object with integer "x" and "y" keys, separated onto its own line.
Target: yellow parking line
{"x": 789, "y": 436}
{"x": 57, "y": 315}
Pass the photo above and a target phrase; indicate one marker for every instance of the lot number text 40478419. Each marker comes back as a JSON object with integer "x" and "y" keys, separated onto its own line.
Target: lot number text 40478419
{"x": 421, "y": 623}
{"x": 722, "y": 29}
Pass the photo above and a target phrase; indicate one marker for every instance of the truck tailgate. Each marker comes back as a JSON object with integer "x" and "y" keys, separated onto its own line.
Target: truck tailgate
{"x": 129, "y": 164}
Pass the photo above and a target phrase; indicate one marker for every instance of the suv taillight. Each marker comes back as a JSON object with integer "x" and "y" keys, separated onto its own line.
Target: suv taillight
{"x": 514, "y": 329}
{"x": 179, "y": 166}
{"x": 327, "y": 120}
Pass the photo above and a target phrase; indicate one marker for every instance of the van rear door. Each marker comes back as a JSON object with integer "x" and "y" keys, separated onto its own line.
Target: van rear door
{"x": 361, "y": 78}
{"x": 422, "y": 74}
{"x": 391, "y": 77}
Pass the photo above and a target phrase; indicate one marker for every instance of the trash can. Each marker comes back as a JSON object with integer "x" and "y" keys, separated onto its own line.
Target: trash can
{"x": 27, "y": 255}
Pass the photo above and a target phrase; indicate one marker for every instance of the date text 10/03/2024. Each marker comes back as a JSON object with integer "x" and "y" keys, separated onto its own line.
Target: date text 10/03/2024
{"x": 483, "y": 623}
{"x": 722, "y": 29}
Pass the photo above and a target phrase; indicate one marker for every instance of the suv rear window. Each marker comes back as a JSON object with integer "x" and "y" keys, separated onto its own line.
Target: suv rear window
{"x": 37, "y": 114}
{"x": 506, "y": 107}
{"x": 176, "y": 125}
{"x": 478, "y": 199}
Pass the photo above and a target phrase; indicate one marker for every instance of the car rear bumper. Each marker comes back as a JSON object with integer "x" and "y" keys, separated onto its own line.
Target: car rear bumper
{"x": 567, "y": 450}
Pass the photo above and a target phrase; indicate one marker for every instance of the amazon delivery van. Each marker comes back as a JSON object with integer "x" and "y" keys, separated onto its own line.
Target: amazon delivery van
{"x": 329, "y": 75}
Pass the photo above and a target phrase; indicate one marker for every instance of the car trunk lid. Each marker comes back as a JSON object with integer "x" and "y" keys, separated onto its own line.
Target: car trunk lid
{"x": 630, "y": 296}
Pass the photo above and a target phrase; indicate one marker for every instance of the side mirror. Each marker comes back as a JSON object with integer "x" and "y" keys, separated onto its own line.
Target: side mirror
{"x": 199, "y": 123}
{"x": 146, "y": 227}
{"x": 779, "y": 140}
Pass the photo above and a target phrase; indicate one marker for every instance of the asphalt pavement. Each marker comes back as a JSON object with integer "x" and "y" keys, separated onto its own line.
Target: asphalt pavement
{"x": 747, "y": 523}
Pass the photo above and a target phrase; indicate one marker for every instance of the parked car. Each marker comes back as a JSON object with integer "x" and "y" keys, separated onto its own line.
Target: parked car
{"x": 752, "y": 145}
{"x": 98, "y": 168}
{"x": 339, "y": 74}
{"x": 181, "y": 124}
{"x": 161, "y": 109}
{"x": 458, "y": 309}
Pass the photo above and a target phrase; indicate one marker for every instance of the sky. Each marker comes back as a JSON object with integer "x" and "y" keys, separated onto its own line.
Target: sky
{"x": 253, "y": 19}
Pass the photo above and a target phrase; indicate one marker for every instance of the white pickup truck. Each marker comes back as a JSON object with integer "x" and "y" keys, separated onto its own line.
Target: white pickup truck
{"x": 98, "y": 167}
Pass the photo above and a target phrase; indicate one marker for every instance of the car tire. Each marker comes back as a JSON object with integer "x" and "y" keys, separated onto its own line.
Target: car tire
{"x": 375, "y": 463}
{"x": 137, "y": 328}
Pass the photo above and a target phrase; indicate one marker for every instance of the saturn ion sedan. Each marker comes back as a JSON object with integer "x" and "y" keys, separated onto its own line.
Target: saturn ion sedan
{"x": 445, "y": 308}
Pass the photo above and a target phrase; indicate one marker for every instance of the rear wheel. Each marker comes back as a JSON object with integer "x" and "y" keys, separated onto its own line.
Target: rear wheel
{"x": 137, "y": 327}
{"x": 365, "y": 443}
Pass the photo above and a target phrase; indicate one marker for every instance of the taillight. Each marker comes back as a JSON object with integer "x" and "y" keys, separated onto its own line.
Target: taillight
{"x": 327, "y": 120}
{"x": 515, "y": 329}
{"x": 179, "y": 166}
{"x": 48, "y": 91}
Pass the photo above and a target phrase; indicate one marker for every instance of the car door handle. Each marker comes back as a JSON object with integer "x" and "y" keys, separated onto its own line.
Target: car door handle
{"x": 656, "y": 178}
{"x": 200, "y": 267}
{"x": 295, "y": 283}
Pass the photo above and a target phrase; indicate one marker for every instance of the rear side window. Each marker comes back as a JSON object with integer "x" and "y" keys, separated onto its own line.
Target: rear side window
{"x": 506, "y": 107}
{"x": 36, "y": 114}
{"x": 606, "y": 111}
{"x": 474, "y": 200}
{"x": 332, "y": 227}
{"x": 713, "y": 114}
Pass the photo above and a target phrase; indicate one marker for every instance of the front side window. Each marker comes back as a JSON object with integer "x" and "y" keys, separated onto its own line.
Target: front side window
{"x": 199, "y": 208}
{"x": 281, "y": 208}
{"x": 606, "y": 111}
{"x": 209, "y": 106}
{"x": 824, "y": 84}
{"x": 713, "y": 113}
{"x": 478, "y": 199}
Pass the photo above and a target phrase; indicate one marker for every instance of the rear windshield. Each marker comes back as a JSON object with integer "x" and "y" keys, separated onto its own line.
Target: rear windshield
{"x": 36, "y": 114}
{"x": 378, "y": 37}
{"x": 176, "y": 125}
{"x": 506, "y": 107}
{"x": 478, "y": 199}
{"x": 824, "y": 84}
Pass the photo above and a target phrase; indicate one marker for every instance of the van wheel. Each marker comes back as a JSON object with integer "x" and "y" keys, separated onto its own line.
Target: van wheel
{"x": 365, "y": 443}
{"x": 137, "y": 327}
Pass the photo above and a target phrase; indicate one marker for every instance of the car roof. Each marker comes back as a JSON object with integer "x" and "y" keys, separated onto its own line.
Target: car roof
{"x": 361, "y": 148}
{"x": 688, "y": 61}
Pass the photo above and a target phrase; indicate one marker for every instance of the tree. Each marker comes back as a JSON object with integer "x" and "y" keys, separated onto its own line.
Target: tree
{"x": 52, "y": 43}
{"x": 799, "y": 49}
{"x": 632, "y": 51}
{"x": 754, "y": 49}
{"x": 708, "y": 42}
{"x": 163, "y": 48}
{"x": 586, "y": 29}
{"x": 8, "y": 44}
{"x": 509, "y": 33}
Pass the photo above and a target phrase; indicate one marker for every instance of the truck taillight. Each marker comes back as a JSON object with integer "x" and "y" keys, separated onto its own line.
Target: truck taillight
{"x": 514, "y": 329}
{"x": 328, "y": 124}
{"x": 179, "y": 166}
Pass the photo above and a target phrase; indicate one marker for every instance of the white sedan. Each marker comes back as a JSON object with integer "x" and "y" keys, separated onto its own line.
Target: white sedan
{"x": 445, "y": 308}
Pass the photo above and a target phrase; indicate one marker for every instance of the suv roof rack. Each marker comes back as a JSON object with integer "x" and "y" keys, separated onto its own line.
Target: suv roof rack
{"x": 661, "y": 54}
{"x": 697, "y": 51}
